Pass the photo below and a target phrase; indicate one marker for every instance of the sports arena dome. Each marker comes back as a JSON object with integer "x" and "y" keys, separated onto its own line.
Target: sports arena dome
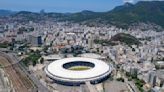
{"x": 78, "y": 70}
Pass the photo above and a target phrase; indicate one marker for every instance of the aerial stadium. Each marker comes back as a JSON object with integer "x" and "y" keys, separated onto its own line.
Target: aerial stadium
{"x": 76, "y": 71}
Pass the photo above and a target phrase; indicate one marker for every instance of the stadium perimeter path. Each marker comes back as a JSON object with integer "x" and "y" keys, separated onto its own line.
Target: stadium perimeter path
{"x": 91, "y": 87}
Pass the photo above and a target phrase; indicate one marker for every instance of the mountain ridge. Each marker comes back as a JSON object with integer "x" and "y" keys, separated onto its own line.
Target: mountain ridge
{"x": 121, "y": 16}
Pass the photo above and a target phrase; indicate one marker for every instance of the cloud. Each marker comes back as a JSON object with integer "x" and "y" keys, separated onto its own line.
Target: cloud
{"x": 129, "y": 1}
{"x": 132, "y": 1}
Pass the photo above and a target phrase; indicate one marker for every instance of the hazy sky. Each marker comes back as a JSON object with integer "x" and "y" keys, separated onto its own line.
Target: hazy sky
{"x": 61, "y": 5}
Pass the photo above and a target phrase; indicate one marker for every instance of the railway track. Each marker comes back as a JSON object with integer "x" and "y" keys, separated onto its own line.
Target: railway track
{"x": 26, "y": 80}
{"x": 20, "y": 81}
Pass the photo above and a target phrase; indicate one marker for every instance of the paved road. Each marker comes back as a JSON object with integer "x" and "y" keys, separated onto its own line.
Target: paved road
{"x": 131, "y": 85}
{"x": 91, "y": 87}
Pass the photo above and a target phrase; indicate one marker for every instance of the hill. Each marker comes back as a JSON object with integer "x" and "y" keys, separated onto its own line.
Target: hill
{"x": 6, "y": 12}
{"x": 126, "y": 39}
{"x": 125, "y": 16}
{"x": 143, "y": 11}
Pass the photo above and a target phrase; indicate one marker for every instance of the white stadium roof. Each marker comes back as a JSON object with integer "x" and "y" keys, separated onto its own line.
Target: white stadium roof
{"x": 55, "y": 70}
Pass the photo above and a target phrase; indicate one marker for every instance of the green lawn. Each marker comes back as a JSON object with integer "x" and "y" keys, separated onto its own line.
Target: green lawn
{"x": 79, "y": 68}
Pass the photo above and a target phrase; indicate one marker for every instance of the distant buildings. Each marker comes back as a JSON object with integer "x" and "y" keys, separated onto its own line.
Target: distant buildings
{"x": 92, "y": 55}
{"x": 90, "y": 41}
{"x": 64, "y": 39}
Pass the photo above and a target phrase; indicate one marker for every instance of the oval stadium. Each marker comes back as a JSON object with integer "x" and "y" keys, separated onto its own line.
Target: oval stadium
{"x": 78, "y": 70}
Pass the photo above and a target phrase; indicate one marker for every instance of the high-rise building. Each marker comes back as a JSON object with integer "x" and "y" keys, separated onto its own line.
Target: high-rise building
{"x": 35, "y": 40}
{"x": 90, "y": 41}
{"x": 134, "y": 71}
{"x": 152, "y": 79}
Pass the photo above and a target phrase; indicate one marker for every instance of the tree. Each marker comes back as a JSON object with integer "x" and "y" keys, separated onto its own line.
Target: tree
{"x": 133, "y": 49}
{"x": 34, "y": 63}
{"x": 120, "y": 79}
{"x": 42, "y": 60}
{"x": 97, "y": 49}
